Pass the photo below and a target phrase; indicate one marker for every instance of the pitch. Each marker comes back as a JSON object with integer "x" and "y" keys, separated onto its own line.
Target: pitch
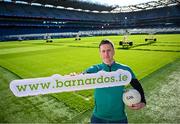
{"x": 36, "y": 58}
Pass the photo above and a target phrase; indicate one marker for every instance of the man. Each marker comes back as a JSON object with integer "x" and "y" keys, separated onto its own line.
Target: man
{"x": 109, "y": 106}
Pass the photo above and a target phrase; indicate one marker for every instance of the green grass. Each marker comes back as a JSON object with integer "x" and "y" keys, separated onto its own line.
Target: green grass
{"x": 36, "y": 58}
{"x": 161, "y": 90}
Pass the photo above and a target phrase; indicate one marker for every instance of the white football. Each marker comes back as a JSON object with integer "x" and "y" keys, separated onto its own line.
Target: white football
{"x": 131, "y": 96}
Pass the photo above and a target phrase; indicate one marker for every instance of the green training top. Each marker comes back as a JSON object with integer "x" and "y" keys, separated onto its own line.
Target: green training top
{"x": 108, "y": 101}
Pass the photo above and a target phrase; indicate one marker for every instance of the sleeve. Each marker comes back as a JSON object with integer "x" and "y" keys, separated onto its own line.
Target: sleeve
{"x": 92, "y": 69}
{"x": 136, "y": 85}
{"x": 132, "y": 73}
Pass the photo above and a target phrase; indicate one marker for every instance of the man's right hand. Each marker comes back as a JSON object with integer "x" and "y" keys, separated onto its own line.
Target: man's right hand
{"x": 73, "y": 74}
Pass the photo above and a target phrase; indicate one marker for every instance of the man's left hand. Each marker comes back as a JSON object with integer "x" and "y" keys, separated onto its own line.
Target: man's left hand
{"x": 137, "y": 106}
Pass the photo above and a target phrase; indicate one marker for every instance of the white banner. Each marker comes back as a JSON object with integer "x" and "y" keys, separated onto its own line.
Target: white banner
{"x": 57, "y": 83}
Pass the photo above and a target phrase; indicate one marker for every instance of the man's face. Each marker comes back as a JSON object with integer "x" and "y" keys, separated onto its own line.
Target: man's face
{"x": 106, "y": 53}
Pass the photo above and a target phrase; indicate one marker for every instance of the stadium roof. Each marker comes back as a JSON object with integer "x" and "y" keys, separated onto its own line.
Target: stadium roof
{"x": 74, "y": 4}
{"x": 147, "y": 5}
{"x": 85, "y": 5}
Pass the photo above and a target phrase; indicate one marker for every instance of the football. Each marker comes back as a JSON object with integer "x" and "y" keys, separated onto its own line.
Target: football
{"x": 131, "y": 97}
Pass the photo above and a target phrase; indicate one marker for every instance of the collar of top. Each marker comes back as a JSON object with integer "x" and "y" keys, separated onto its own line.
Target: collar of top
{"x": 109, "y": 65}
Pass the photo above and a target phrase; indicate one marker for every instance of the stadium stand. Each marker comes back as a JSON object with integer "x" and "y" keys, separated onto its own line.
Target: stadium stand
{"x": 33, "y": 22}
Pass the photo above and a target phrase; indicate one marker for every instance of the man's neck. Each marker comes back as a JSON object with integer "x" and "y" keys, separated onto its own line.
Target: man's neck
{"x": 109, "y": 63}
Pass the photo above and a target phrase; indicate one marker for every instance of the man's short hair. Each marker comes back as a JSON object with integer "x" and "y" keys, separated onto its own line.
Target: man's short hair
{"x": 106, "y": 41}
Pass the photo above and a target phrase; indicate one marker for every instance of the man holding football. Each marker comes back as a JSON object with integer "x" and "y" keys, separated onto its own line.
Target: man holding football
{"x": 109, "y": 106}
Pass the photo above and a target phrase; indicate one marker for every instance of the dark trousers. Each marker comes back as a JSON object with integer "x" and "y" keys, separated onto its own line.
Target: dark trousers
{"x": 94, "y": 119}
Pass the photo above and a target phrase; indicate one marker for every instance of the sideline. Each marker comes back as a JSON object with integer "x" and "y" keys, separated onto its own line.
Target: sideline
{"x": 14, "y": 74}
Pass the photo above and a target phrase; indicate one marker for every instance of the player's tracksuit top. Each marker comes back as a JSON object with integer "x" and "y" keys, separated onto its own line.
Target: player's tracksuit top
{"x": 108, "y": 101}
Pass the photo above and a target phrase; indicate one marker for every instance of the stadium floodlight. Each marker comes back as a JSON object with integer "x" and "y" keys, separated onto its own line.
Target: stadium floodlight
{"x": 60, "y": 7}
{"x": 36, "y": 4}
{"x": 95, "y": 11}
{"x": 70, "y": 8}
{"x": 50, "y": 6}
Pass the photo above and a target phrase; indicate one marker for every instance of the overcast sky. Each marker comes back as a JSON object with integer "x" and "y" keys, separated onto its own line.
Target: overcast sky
{"x": 119, "y": 2}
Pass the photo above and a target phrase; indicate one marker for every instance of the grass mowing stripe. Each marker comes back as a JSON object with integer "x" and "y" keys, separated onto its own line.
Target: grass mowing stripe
{"x": 74, "y": 102}
{"x": 158, "y": 50}
{"x": 29, "y": 109}
{"x": 83, "y": 117}
{"x": 26, "y": 49}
